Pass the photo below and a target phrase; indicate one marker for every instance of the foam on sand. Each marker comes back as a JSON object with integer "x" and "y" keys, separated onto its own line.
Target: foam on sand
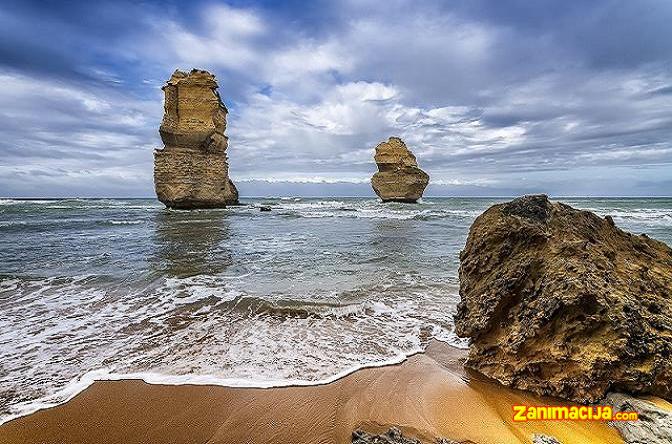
{"x": 428, "y": 396}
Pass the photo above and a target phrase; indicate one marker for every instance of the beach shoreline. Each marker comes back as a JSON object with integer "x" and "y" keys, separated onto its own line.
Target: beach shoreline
{"x": 428, "y": 396}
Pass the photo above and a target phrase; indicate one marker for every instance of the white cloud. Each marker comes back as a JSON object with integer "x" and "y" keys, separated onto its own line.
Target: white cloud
{"x": 225, "y": 38}
{"x": 21, "y": 92}
{"x": 58, "y": 135}
{"x": 289, "y": 66}
{"x": 477, "y": 100}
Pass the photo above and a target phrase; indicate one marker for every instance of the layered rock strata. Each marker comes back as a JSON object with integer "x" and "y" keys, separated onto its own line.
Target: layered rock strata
{"x": 192, "y": 170}
{"x": 561, "y": 302}
{"x": 399, "y": 179}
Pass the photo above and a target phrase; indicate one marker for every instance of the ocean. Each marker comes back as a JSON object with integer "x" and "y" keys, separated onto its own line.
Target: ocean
{"x": 304, "y": 294}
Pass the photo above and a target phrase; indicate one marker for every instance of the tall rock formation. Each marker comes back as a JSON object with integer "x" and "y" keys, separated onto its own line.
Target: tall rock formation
{"x": 398, "y": 178}
{"x": 561, "y": 302}
{"x": 192, "y": 171}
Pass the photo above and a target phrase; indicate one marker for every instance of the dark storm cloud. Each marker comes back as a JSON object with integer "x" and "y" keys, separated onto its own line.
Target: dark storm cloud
{"x": 495, "y": 97}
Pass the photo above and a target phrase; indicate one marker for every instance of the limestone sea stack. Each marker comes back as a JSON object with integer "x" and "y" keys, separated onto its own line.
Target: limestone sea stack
{"x": 192, "y": 170}
{"x": 561, "y": 302}
{"x": 399, "y": 179}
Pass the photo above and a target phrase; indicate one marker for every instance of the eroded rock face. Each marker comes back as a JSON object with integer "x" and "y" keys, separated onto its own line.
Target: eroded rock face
{"x": 192, "y": 171}
{"x": 561, "y": 302}
{"x": 398, "y": 178}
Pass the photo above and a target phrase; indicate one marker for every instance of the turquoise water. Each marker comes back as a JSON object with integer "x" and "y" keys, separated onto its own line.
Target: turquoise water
{"x": 112, "y": 288}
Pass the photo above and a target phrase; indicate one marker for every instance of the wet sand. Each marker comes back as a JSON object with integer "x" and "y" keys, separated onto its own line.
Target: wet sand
{"x": 429, "y": 395}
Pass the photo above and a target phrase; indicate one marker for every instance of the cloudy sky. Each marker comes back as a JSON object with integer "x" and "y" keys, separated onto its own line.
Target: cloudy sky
{"x": 494, "y": 97}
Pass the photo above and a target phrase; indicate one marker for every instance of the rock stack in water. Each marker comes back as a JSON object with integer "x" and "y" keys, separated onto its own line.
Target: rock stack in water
{"x": 191, "y": 171}
{"x": 561, "y": 302}
{"x": 398, "y": 178}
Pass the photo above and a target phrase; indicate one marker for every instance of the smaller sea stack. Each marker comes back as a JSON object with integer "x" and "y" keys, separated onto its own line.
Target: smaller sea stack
{"x": 192, "y": 170}
{"x": 399, "y": 179}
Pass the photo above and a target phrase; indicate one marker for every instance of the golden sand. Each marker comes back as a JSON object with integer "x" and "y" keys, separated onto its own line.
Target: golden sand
{"x": 427, "y": 396}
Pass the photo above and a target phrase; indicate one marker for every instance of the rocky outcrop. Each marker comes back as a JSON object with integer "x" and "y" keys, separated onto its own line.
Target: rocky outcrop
{"x": 192, "y": 171}
{"x": 544, "y": 439}
{"x": 654, "y": 423}
{"x": 398, "y": 178}
{"x": 561, "y": 302}
{"x": 392, "y": 436}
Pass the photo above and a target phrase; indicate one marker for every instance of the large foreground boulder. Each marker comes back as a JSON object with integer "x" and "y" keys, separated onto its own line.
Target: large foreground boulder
{"x": 192, "y": 170}
{"x": 561, "y": 302}
{"x": 399, "y": 179}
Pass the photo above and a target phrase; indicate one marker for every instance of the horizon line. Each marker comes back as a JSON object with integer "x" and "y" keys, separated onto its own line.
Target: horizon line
{"x": 347, "y": 196}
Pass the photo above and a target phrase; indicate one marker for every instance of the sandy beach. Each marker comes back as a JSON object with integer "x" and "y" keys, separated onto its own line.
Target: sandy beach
{"x": 430, "y": 395}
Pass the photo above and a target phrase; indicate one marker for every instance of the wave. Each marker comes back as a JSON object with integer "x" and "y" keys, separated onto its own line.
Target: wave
{"x": 169, "y": 330}
{"x": 126, "y": 222}
{"x": 80, "y": 384}
{"x": 76, "y": 203}
{"x": 63, "y": 223}
{"x": 645, "y": 216}
{"x": 366, "y": 209}
{"x": 427, "y": 211}
{"x": 12, "y": 202}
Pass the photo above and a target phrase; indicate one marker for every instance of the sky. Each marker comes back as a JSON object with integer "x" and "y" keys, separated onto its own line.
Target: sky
{"x": 494, "y": 97}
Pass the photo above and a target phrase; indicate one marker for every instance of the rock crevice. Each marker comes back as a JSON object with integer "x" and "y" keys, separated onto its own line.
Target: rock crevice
{"x": 192, "y": 169}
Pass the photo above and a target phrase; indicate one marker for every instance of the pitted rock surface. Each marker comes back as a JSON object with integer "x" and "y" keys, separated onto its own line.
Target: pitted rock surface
{"x": 561, "y": 302}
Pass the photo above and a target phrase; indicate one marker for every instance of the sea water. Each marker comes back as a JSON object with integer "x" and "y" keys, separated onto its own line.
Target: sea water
{"x": 312, "y": 290}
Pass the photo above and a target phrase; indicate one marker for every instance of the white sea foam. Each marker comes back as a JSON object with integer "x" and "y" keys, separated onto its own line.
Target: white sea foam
{"x": 370, "y": 210}
{"x": 24, "y": 201}
{"x": 319, "y": 344}
{"x": 631, "y": 217}
{"x": 449, "y": 337}
{"x": 126, "y": 222}
{"x": 80, "y": 384}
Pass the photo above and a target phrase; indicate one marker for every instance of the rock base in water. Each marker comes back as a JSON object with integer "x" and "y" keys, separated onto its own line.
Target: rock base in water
{"x": 561, "y": 302}
{"x": 398, "y": 178}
